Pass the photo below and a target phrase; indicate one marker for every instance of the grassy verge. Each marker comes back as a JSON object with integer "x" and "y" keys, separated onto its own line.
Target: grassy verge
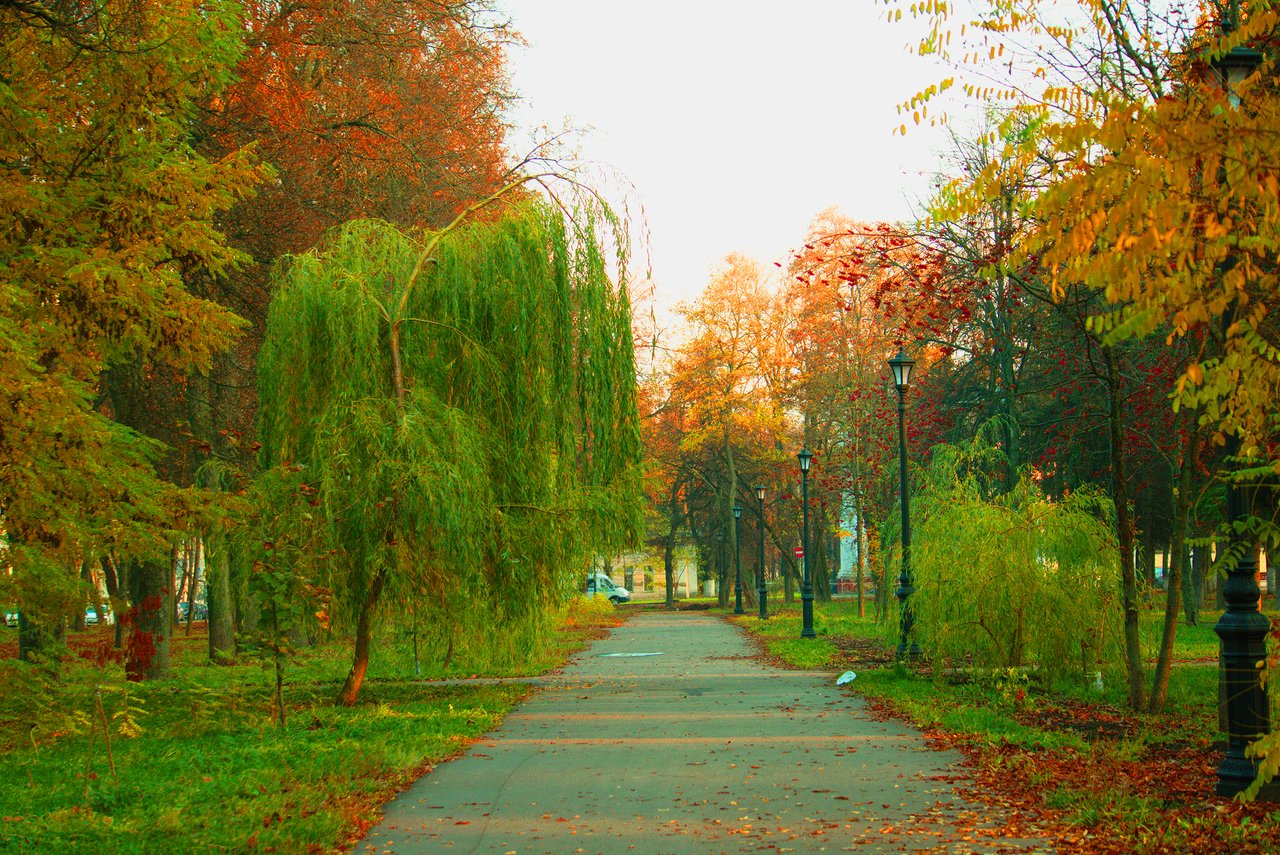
{"x": 1066, "y": 760}
{"x": 197, "y": 763}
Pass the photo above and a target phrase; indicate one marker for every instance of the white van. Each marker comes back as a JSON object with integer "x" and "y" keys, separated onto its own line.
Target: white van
{"x": 598, "y": 583}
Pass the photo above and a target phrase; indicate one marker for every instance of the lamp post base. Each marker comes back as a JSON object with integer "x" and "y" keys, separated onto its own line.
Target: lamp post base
{"x": 806, "y": 608}
{"x": 762, "y": 594}
{"x": 1242, "y": 630}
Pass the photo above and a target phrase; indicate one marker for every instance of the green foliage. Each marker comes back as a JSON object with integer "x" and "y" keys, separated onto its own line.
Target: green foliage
{"x": 1015, "y": 579}
{"x": 1011, "y": 687}
{"x": 807, "y": 653}
{"x": 199, "y": 766}
{"x": 105, "y": 210}
{"x": 229, "y": 783}
{"x": 280, "y": 542}
{"x": 463, "y": 407}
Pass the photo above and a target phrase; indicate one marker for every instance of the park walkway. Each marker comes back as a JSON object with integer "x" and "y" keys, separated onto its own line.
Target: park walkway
{"x": 668, "y": 737}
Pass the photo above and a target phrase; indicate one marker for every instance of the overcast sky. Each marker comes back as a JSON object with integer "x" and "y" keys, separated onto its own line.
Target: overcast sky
{"x": 736, "y": 122}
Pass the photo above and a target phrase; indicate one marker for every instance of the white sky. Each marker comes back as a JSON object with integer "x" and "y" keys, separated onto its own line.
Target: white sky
{"x": 736, "y": 122}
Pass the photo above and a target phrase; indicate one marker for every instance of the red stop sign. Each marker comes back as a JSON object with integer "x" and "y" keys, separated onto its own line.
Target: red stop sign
{"x": 799, "y": 552}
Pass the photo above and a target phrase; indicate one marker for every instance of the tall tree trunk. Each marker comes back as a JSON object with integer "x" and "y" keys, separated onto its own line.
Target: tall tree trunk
{"x": 669, "y": 547}
{"x": 1218, "y": 579}
{"x": 191, "y": 554}
{"x": 182, "y": 557}
{"x": 1147, "y": 553}
{"x": 117, "y": 586}
{"x": 1193, "y": 586}
{"x": 1124, "y": 531}
{"x": 722, "y": 570}
{"x": 364, "y": 641}
{"x": 147, "y": 654}
{"x": 820, "y": 569}
{"x": 669, "y": 571}
{"x": 729, "y": 501}
{"x": 860, "y": 560}
{"x": 95, "y": 592}
{"x": 1265, "y": 565}
{"x": 221, "y": 618}
{"x": 1174, "y": 568}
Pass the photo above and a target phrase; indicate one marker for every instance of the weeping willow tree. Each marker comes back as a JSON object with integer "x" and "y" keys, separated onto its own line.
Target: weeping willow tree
{"x": 461, "y": 406}
{"x": 1010, "y": 579}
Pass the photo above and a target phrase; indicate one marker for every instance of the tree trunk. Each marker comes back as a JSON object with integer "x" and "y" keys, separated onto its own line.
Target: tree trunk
{"x": 722, "y": 572}
{"x": 1124, "y": 532}
{"x": 1218, "y": 578}
{"x": 669, "y": 569}
{"x": 182, "y": 555}
{"x": 147, "y": 654}
{"x": 1193, "y": 586}
{"x": 221, "y": 619}
{"x": 116, "y": 588}
{"x": 820, "y": 569}
{"x": 729, "y": 501}
{"x": 192, "y": 553}
{"x": 884, "y": 591}
{"x": 669, "y": 548}
{"x": 1147, "y": 552}
{"x": 860, "y": 561}
{"x": 91, "y": 588}
{"x": 364, "y": 641}
{"x": 1265, "y": 567}
{"x": 1174, "y": 569}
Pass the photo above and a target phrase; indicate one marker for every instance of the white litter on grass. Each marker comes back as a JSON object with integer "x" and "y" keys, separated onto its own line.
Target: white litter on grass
{"x": 846, "y": 677}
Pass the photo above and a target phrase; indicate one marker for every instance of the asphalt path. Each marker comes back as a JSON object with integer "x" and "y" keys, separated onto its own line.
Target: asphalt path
{"x": 670, "y": 737}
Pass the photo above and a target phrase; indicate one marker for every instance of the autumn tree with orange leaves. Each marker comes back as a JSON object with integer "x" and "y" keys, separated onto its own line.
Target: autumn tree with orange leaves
{"x": 857, "y": 292}
{"x": 732, "y": 415}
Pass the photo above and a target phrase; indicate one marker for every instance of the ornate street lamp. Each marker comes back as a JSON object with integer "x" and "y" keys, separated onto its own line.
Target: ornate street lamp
{"x": 902, "y": 365}
{"x": 762, "y": 592}
{"x": 806, "y": 588}
{"x": 1242, "y": 629}
{"x": 737, "y": 562}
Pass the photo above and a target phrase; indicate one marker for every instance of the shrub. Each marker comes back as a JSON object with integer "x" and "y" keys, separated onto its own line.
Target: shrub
{"x": 1014, "y": 579}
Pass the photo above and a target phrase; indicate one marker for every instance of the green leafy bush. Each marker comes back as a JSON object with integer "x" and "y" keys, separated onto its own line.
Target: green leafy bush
{"x": 1014, "y": 579}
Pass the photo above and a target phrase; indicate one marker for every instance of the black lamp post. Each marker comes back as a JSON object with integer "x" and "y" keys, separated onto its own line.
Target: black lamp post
{"x": 762, "y": 592}
{"x": 902, "y": 365}
{"x": 1242, "y": 629}
{"x": 806, "y": 588}
{"x": 737, "y": 562}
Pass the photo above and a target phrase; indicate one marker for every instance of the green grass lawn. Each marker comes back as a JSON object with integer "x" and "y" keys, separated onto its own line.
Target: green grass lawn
{"x": 197, "y": 763}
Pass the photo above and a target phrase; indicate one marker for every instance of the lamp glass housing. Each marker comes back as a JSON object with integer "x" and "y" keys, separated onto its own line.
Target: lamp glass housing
{"x": 737, "y": 511}
{"x": 1237, "y": 64}
{"x": 760, "y": 492}
{"x": 805, "y": 457}
{"x": 901, "y": 365}
{"x": 1234, "y": 68}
